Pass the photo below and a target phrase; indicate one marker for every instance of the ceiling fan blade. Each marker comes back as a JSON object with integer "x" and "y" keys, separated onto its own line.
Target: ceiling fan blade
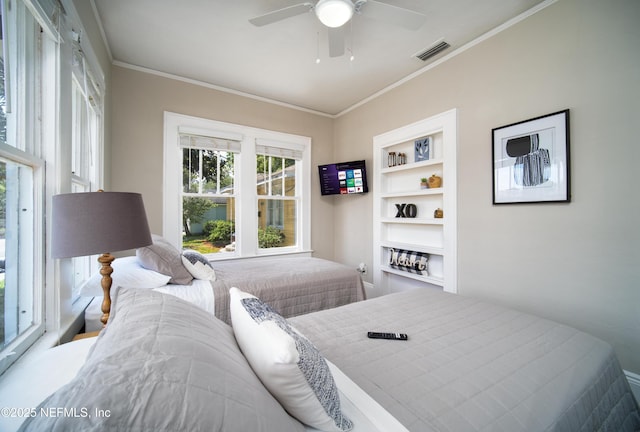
{"x": 336, "y": 41}
{"x": 393, "y": 14}
{"x": 280, "y": 14}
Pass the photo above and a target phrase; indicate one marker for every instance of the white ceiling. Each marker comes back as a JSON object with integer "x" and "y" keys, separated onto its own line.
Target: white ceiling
{"x": 213, "y": 42}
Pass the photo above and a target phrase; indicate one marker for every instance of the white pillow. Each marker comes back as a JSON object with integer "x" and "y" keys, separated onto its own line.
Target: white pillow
{"x": 128, "y": 272}
{"x": 198, "y": 265}
{"x": 287, "y": 363}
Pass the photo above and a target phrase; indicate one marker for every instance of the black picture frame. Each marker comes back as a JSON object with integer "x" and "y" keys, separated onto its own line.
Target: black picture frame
{"x": 531, "y": 161}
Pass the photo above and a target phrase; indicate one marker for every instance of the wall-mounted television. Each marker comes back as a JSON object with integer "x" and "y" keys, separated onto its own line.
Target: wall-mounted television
{"x": 343, "y": 178}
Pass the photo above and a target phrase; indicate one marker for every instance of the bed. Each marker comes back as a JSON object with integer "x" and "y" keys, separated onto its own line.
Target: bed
{"x": 292, "y": 285}
{"x": 473, "y": 366}
{"x": 468, "y": 365}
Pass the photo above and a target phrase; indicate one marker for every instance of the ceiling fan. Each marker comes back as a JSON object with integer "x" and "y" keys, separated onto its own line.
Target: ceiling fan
{"x": 335, "y": 13}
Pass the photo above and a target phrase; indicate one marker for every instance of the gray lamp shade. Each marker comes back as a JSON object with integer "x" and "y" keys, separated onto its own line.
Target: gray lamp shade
{"x": 97, "y": 223}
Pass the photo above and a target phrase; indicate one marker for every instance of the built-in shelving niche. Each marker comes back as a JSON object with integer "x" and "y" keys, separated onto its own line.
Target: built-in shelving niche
{"x": 399, "y": 183}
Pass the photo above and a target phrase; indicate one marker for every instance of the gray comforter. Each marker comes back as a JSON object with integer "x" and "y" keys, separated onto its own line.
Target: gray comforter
{"x": 292, "y": 286}
{"x": 473, "y": 366}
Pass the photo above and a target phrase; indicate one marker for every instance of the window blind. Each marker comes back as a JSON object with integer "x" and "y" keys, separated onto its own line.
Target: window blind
{"x": 209, "y": 143}
{"x": 276, "y": 151}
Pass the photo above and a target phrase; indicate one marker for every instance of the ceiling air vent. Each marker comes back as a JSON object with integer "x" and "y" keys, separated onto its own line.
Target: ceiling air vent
{"x": 433, "y": 50}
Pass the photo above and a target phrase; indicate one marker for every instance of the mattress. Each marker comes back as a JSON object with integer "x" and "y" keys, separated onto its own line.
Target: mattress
{"x": 199, "y": 293}
{"x": 291, "y": 286}
{"x": 473, "y": 366}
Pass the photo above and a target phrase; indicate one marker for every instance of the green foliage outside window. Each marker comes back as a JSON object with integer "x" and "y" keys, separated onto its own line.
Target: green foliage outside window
{"x": 193, "y": 210}
{"x": 270, "y": 237}
{"x": 219, "y": 231}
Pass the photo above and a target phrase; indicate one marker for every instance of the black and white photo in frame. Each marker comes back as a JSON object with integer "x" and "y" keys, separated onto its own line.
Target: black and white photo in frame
{"x": 531, "y": 160}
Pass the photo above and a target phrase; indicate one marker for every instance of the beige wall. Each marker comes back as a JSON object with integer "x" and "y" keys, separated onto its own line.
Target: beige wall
{"x": 576, "y": 263}
{"x": 140, "y": 100}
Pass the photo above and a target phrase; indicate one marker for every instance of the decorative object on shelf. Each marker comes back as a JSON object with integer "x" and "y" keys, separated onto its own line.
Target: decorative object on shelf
{"x": 401, "y": 159}
{"x": 409, "y": 261}
{"x": 391, "y": 159}
{"x": 422, "y": 147}
{"x": 406, "y": 210}
{"x": 438, "y": 213}
{"x": 423, "y": 183}
{"x": 434, "y": 181}
{"x": 531, "y": 160}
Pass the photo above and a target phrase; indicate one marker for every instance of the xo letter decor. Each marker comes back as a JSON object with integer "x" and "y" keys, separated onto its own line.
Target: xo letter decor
{"x": 406, "y": 210}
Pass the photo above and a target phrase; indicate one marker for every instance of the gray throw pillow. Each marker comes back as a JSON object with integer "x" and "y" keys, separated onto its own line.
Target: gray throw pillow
{"x": 164, "y": 258}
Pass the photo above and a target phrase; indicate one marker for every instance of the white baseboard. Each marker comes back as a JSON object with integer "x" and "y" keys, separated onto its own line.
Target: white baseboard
{"x": 634, "y": 382}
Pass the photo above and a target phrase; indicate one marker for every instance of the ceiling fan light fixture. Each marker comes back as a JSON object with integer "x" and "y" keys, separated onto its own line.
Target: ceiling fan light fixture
{"x": 334, "y": 13}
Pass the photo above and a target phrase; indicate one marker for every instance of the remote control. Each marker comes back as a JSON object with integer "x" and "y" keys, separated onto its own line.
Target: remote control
{"x": 392, "y": 336}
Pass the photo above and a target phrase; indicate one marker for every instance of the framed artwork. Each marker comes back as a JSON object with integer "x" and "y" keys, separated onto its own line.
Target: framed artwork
{"x": 422, "y": 146}
{"x": 531, "y": 160}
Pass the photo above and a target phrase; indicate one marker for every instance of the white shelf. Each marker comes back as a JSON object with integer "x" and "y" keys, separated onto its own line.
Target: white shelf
{"x": 414, "y": 221}
{"x": 434, "y": 236}
{"x": 422, "y": 278}
{"x": 413, "y": 193}
{"x": 414, "y": 247}
{"x": 410, "y": 166}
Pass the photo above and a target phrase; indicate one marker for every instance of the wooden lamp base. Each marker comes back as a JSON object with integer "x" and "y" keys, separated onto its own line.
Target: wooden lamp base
{"x": 105, "y": 260}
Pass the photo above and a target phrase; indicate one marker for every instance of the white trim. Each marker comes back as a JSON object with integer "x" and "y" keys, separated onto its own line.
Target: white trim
{"x": 20, "y": 156}
{"x": 217, "y": 87}
{"x": 76, "y": 23}
{"x": 446, "y": 123}
{"x": 45, "y": 16}
{"x": 103, "y": 35}
{"x": 246, "y": 242}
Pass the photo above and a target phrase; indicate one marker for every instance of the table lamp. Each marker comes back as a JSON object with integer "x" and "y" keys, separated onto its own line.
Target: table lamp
{"x": 92, "y": 223}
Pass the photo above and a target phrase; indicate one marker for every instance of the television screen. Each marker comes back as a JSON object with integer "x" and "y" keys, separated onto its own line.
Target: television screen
{"x": 343, "y": 178}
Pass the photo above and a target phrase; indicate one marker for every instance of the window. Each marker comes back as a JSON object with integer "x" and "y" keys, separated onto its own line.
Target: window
{"x": 86, "y": 133}
{"x": 208, "y": 193}
{"x": 21, "y": 182}
{"x": 278, "y": 196}
{"x": 242, "y": 191}
{"x": 48, "y": 119}
{"x": 16, "y": 247}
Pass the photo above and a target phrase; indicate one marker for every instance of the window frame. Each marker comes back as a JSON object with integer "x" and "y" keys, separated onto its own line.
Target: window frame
{"x": 246, "y": 197}
{"x": 26, "y": 338}
{"x": 268, "y": 149}
{"x": 230, "y": 147}
{"x": 42, "y": 98}
{"x": 25, "y": 91}
{"x": 87, "y": 126}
